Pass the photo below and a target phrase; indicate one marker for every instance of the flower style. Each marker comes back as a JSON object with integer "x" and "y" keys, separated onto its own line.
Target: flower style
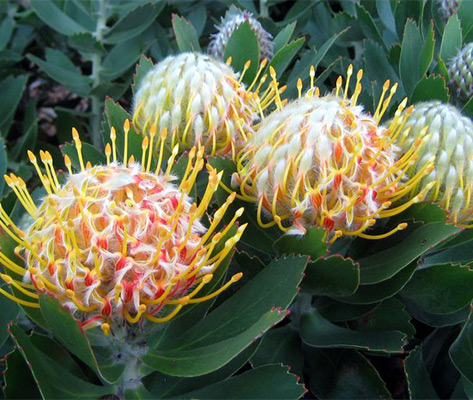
{"x": 323, "y": 161}
{"x": 117, "y": 243}
{"x": 201, "y": 102}
{"x": 232, "y": 21}
{"x": 452, "y": 145}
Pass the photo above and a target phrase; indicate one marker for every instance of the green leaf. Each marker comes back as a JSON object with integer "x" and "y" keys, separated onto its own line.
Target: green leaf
{"x": 368, "y": 294}
{"x": 243, "y": 46}
{"x": 6, "y": 30}
{"x": 465, "y": 14}
{"x": 451, "y": 39}
{"x": 86, "y": 42}
{"x": 461, "y": 351}
{"x": 435, "y": 320}
{"x": 267, "y": 382}
{"x": 54, "y": 381}
{"x": 386, "y": 15}
{"x": 134, "y": 23}
{"x": 30, "y": 133}
{"x": 54, "y": 17}
{"x": 410, "y": 64}
{"x": 205, "y": 359}
{"x": 166, "y": 386}
{"x": 89, "y": 153}
{"x": 427, "y": 52}
{"x": 231, "y": 327}
{"x": 316, "y": 331}
{"x": 389, "y": 315}
{"x": 418, "y": 378}
{"x": 468, "y": 108}
{"x": 336, "y": 311}
{"x": 283, "y": 37}
{"x": 331, "y": 276}
{"x": 343, "y": 374}
{"x": 60, "y": 68}
{"x": 368, "y": 26}
{"x": 67, "y": 330}
{"x": 3, "y": 164}
{"x": 142, "y": 68}
{"x": 313, "y": 243}
{"x": 19, "y": 382}
{"x": 441, "y": 289}
{"x": 282, "y": 345}
{"x": 9, "y": 312}
{"x": 283, "y": 57}
{"x": 185, "y": 33}
{"x": 11, "y": 89}
{"x": 123, "y": 56}
{"x": 429, "y": 88}
{"x": 383, "y": 265}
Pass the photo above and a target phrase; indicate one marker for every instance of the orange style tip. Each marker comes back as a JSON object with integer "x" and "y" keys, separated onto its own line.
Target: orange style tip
{"x": 142, "y": 308}
{"x": 131, "y": 160}
{"x": 69, "y": 293}
{"x": 402, "y": 226}
{"x": 105, "y": 328}
{"x": 7, "y": 278}
{"x": 339, "y": 81}
{"x": 126, "y": 125}
{"x": 52, "y": 202}
{"x": 164, "y": 133}
{"x": 242, "y": 228}
{"x": 184, "y": 300}
{"x": 67, "y": 160}
{"x": 229, "y": 60}
{"x": 403, "y": 102}
{"x": 247, "y": 64}
{"x": 88, "y": 165}
{"x": 239, "y": 212}
{"x": 40, "y": 284}
{"x": 31, "y": 156}
{"x": 42, "y": 155}
{"x": 237, "y": 277}
{"x": 272, "y": 72}
{"x": 359, "y": 75}
{"x": 350, "y": 69}
{"x": 264, "y": 62}
{"x": 75, "y": 134}
{"x": 371, "y": 222}
{"x": 108, "y": 149}
{"x": 113, "y": 133}
{"x": 299, "y": 83}
{"x": 338, "y": 233}
{"x": 387, "y": 84}
{"x": 386, "y": 204}
{"x": 312, "y": 70}
{"x": 207, "y": 278}
{"x": 8, "y": 180}
{"x": 410, "y": 109}
{"x": 282, "y": 89}
{"x": 76, "y": 191}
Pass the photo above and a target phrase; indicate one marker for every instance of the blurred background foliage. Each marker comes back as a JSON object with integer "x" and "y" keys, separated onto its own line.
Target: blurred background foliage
{"x": 372, "y": 320}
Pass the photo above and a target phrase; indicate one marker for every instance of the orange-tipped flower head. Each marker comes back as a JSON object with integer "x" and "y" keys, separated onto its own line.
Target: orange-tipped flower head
{"x": 199, "y": 100}
{"x": 452, "y": 145}
{"x": 117, "y": 243}
{"x": 323, "y": 161}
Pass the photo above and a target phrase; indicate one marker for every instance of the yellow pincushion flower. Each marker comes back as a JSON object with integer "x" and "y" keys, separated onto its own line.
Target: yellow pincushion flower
{"x": 323, "y": 161}
{"x": 117, "y": 243}
{"x": 201, "y": 101}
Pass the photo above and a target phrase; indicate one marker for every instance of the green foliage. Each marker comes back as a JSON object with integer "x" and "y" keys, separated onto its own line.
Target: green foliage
{"x": 365, "y": 313}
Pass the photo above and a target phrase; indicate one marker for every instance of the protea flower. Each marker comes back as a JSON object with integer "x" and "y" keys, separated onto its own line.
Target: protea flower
{"x": 460, "y": 69}
{"x": 448, "y": 7}
{"x": 232, "y": 21}
{"x": 323, "y": 161}
{"x": 452, "y": 145}
{"x": 201, "y": 102}
{"x": 117, "y": 243}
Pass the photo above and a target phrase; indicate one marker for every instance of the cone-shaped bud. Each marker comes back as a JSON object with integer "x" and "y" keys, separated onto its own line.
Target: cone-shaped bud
{"x": 117, "y": 243}
{"x": 201, "y": 102}
{"x": 232, "y": 21}
{"x": 460, "y": 69}
{"x": 447, "y": 8}
{"x": 451, "y": 143}
{"x": 323, "y": 161}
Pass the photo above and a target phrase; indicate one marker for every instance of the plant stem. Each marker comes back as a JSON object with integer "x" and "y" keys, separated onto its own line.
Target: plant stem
{"x": 263, "y": 8}
{"x": 96, "y": 64}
